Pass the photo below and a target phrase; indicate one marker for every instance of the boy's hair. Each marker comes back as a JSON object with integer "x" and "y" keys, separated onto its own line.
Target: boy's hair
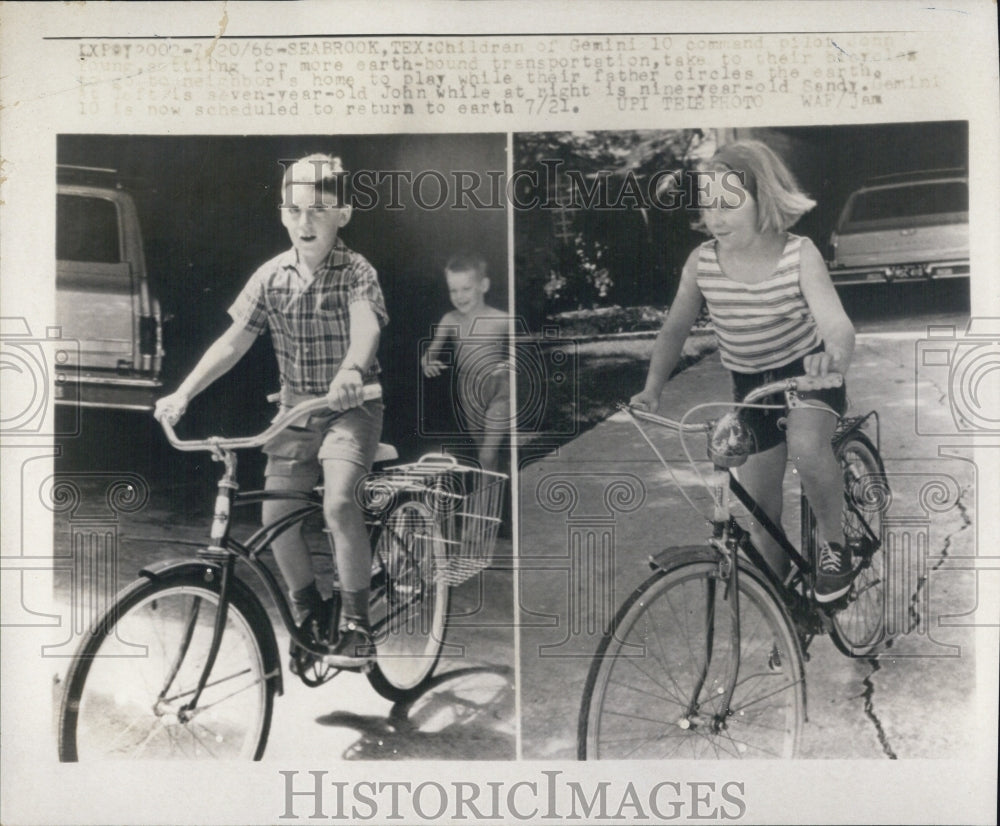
{"x": 780, "y": 201}
{"x": 323, "y": 171}
{"x": 467, "y": 262}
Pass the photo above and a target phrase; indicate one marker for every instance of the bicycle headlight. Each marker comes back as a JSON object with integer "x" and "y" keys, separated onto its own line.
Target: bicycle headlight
{"x": 731, "y": 441}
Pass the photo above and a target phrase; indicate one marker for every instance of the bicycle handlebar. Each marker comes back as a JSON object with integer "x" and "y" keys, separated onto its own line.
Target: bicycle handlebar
{"x": 797, "y": 383}
{"x": 369, "y": 393}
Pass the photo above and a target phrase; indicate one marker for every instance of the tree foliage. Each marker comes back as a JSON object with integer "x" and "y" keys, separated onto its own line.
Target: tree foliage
{"x": 589, "y": 229}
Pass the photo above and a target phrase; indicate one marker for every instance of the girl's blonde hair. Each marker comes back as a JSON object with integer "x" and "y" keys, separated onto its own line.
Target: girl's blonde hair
{"x": 780, "y": 201}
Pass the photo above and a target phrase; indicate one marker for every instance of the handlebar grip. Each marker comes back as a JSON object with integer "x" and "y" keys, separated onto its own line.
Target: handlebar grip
{"x": 369, "y": 393}
{"x": 437, "y": 459}
{"x": 819, "y": 382}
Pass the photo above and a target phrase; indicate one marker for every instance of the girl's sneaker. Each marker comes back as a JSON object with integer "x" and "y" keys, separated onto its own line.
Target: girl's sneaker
{"x": 834, "y": 573}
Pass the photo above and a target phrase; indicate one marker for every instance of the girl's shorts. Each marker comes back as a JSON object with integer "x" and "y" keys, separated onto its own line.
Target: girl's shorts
{"x": 764, "y": 423}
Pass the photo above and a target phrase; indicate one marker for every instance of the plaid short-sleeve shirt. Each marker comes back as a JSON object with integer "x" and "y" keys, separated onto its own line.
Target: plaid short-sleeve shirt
{"x": 309, "y": 319}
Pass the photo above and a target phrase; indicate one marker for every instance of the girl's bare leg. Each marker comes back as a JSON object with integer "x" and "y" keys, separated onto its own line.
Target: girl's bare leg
{"x": 810, "y": 431}
{"x": 763, "y": 476}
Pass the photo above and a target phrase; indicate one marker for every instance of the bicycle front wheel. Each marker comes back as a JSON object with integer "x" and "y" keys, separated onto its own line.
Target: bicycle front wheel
{"x": 657, "y": 685}
{"x": 858, "y": 628}
{"x": 138, "y": 667}
{"x": 410, "y": 609}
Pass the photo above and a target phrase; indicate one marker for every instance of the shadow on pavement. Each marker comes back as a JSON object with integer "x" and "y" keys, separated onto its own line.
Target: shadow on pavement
{"x": 464, "y": 712}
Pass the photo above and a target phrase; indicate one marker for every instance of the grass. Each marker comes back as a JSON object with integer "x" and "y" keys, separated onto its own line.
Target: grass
{"x": 608, "y": 371}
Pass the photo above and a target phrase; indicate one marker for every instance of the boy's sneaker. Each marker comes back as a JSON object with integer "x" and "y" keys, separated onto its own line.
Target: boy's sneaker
{"x": 317, "y": 625}
{"x": 834, "y": 572}
{"x": 354, "y": 649}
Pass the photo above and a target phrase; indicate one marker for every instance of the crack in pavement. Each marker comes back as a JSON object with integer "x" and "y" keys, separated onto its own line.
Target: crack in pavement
{"x": 869, "y": 709}
{"x": 868, "y": 682}
{"x": 963, "y": 512}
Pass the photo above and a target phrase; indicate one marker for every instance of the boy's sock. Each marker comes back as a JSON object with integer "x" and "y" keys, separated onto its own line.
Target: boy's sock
{"x": 354, "y": 647}
{"x": 306, "y": 601}
{"x": 355, "y": 608}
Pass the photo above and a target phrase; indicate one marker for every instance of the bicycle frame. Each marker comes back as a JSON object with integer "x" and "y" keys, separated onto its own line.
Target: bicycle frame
{"x": 730, "y": 539}
{"x": 223, "y": 550}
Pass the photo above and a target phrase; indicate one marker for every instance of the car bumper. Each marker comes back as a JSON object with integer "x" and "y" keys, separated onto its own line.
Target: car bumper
{"x": 927, "y": 271}
{"x": 114, "y": 392}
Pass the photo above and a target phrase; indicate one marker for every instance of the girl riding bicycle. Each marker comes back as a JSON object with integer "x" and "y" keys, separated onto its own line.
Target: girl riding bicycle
{"x": 776, "y": 314}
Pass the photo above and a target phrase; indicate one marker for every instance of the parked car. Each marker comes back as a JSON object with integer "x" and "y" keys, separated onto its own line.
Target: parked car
{"x": 904, "y": 227}
{"x": 103, "y": 296}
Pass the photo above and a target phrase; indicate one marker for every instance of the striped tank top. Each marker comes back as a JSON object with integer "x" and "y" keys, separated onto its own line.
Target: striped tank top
{"x": 759, "y": 326}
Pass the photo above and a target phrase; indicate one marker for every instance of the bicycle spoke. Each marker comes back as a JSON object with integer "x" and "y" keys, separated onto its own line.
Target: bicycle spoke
{"x": 678, "y": 698}
{"x": 213, "y": 683}
{"x": 122, "y": 707}
{"x": 637, "y": 707}
{"x": 636, "y": 689}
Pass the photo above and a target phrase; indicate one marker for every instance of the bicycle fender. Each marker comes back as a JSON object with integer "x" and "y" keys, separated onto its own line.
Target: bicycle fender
{"x": 680, "y": 554}
{"x": 248, "y": 601}
{"x": 674, "y": 557}
{"x": 181, "y": 565}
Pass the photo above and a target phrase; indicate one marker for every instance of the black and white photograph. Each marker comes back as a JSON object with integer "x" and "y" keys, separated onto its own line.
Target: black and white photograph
{"x": 234, "y": 266}
{"x": 633, "y": 264}
{"x": 499, "y": 412}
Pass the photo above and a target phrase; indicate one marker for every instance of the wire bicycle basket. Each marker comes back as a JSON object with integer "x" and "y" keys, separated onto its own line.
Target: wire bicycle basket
{"x": 466, "y": 504}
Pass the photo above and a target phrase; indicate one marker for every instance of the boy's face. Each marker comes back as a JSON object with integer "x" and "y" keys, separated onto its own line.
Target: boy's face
{"x": 466, "y": 290}
{"x": 312, "y": 223}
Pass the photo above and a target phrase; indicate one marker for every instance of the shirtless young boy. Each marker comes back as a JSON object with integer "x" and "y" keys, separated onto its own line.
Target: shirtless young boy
{"x": 482, "y": 364}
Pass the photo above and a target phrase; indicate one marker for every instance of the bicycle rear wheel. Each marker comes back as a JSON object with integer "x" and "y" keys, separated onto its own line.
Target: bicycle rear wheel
{"x": 657, "y": 682}
{"x": 410, "y": 611}
{"x": 858, "y": 628}
{"x": 140, "y": 663}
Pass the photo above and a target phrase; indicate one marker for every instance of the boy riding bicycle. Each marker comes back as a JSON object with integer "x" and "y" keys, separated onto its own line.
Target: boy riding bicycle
{"x": 776, "y": 314}
{"x": 324, "y": 308}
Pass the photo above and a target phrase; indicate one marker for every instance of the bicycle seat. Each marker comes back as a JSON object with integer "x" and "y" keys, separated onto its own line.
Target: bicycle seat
{"x": 385, "y": 453}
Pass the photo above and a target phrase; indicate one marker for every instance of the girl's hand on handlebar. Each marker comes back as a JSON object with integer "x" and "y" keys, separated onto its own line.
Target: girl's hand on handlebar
{"x": 819, "y": 364}
{"x": 345, "y": 390}
{"x": 645, "y": 401}
{"x": 171, "y": 408}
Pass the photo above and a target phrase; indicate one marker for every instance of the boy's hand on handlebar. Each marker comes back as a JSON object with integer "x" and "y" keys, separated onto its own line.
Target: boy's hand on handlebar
{"x": 345, "y": 390}
{"x": 645, "y": 401}
{"x": 170, "y": 408}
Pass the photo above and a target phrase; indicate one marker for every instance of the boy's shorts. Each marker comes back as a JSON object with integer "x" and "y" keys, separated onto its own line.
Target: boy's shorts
{"x": 299, "y": 450}
{"x": 764, "y": 423}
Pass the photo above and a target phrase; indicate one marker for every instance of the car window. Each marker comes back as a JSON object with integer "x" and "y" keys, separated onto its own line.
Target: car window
{"x": 87, "y": 229}
{"x": 911, "y": 201}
